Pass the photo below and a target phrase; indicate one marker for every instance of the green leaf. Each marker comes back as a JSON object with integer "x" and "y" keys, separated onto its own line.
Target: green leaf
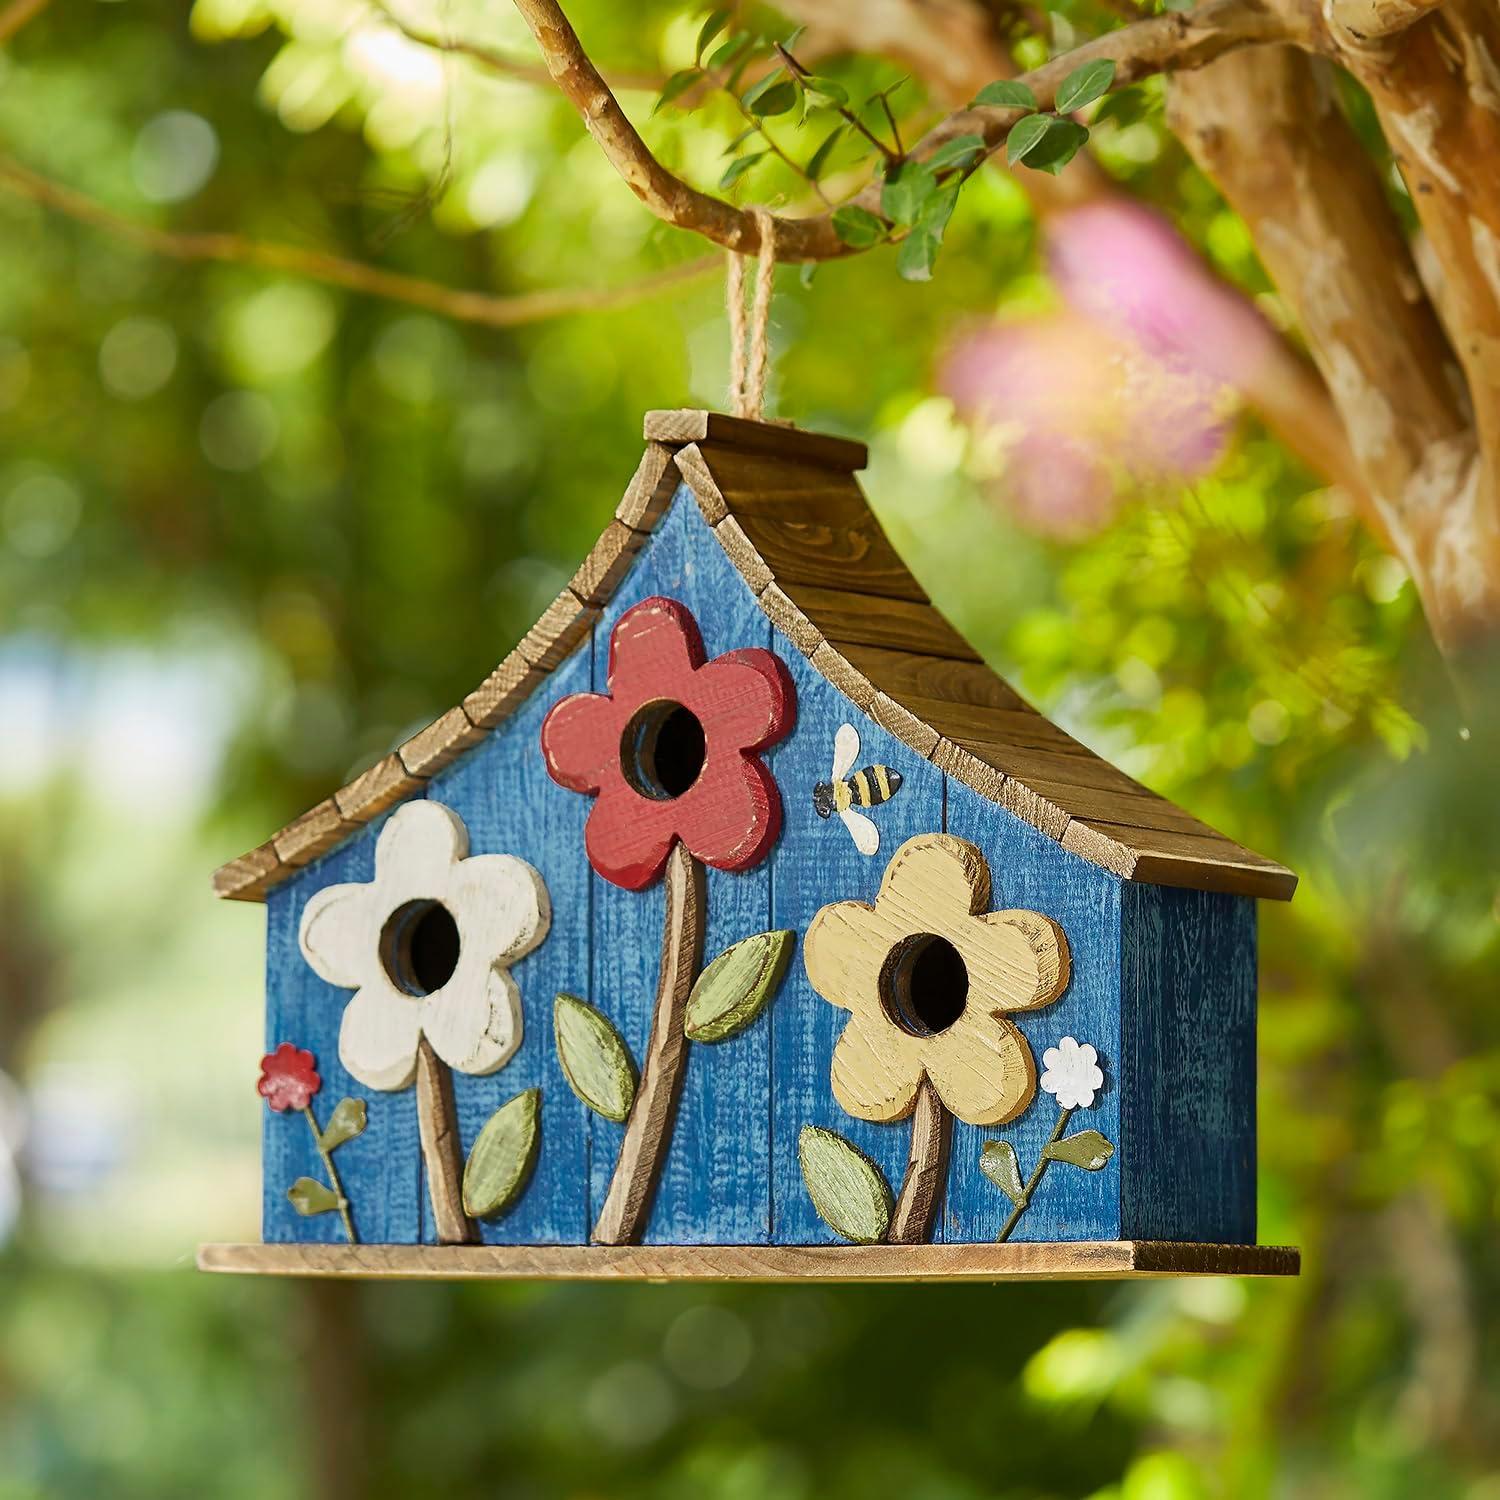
{"x": 959, "y": 152}
{"x": 309, "y": 1197}
{"x": 908, "y": 186}
{"x": 819, "y": 159}
{"x": 739, "y": 166}
{"x": 501, "y": 1163}
{"x": 858, "y": 227}
{"x": 1088, "y": 1149}
{"x": 727, "y": 53}
{"x": 594, "y": 1057}
{"x": 733, "y": 990}
{"x": 1084, "y": 85}
{"x": 346, "y": 1122}
{"x": 1125, "y": 106}
{"x": 826, "y": 88}
{"x": 1059, "y": 146}
{"x": 1024, "y": 137}
{"x": 848, "y": 1190}
{"x": 678, "y": 83}
{"x": 997, "y": 1160}
{"x": 805, "y": 274}
{"x": 715, "y": 23}
{"x": 761, "y": 87}
{"x": 1006, "y": 93}
{"x": 775, "y": 101}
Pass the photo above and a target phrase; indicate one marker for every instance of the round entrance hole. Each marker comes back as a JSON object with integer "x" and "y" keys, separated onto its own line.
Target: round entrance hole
{"x": 419, "y": 947}
{"x": 662, "y": 750}
{"x": 925, "y": 984}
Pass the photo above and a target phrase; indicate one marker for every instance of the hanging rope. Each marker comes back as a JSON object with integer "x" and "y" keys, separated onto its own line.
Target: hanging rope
{"x": 750, "y": 344}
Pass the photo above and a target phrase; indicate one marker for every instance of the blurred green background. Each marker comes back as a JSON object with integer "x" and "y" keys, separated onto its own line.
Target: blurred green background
{"x": 254, "y": 530}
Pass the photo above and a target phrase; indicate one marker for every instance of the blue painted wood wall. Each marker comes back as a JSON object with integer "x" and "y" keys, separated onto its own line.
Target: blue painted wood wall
{"x": 1163, "y": 986}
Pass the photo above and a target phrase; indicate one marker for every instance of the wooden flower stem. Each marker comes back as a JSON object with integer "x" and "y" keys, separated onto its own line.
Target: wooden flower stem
{"x": 622, "y": 1220}
{"x": 333, "y": 1172}
{"x": 1036, "y": 1176}
{"x": 437, "y": 1124}
{"x": 926, "y": 1170}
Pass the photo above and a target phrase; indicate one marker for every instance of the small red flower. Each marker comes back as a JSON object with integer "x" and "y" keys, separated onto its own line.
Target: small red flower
{"x": 288, "y": 1078}
{"x": 671, "y": 748}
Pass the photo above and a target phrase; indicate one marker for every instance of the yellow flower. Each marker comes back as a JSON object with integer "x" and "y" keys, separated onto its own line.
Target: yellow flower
{"x": 928, "y": 976}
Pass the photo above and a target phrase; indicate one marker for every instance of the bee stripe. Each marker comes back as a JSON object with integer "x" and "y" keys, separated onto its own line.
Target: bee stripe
{"x": 860, "y": 783}
{"x": 842, "y": 796}
{"x": 883, "y": 781}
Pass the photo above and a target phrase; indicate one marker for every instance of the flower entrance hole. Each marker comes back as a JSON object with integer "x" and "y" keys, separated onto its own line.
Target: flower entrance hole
{"x": 663, "y": 750}
{"x": 925, "y": 984}
{"x": 419, "y": 947}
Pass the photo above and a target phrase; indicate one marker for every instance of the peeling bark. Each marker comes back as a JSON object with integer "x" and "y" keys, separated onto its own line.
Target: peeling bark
{"x": 1265, "y": 127}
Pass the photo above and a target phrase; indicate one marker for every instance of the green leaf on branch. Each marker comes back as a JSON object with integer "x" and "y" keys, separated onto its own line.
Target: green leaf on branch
{"x": 819, "y": 159}
{"x": 717, "y": 20}
{"x": 961, "y": 151}
{"x": 773, "y": 95}
{"x": 678, "y": 84}
{"x": 826, "y": 89}
{"x": 908, "y": 187}
{"x": 1006, "y": 93}
{"x": 310, "y": 1197}
{"x": 1088, "y": 1149}
{"x": 504, "y": 1155}
{"x": 733, "y": 990}
{"x": 858, "y": 227}
{"x": 727, "y": 53}
{"x": 1084, "y": 85}
{"x": 739, "y": 166}
{"x": 918, "y": 253}
{"x": 595, "y": 1060}
{"x": 997, "y": 1160}
{"x": 1025, "y": 135}
{"x": 848, "y": 1190}
{"x": 1059, "y": 145}
{"x": 347, "y": 1121}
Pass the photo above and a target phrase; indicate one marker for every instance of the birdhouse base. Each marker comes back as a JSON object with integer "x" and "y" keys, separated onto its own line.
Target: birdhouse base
{"x": 1079, "y": 1260}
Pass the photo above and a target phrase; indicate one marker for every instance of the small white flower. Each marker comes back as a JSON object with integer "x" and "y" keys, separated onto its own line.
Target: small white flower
{"x": 409, "y": 982}
{"x": 1073, "y": 1074}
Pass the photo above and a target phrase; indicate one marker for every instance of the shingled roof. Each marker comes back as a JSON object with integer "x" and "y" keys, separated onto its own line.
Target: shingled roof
{"x": 790, "y": 516}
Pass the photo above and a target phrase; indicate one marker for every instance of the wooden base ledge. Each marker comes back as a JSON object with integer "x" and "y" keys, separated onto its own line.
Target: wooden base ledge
{"x": 1089, "y": 1260}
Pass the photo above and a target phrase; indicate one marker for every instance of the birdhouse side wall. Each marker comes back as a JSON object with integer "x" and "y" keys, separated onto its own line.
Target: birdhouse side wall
{"x": 1188, "y": 1065}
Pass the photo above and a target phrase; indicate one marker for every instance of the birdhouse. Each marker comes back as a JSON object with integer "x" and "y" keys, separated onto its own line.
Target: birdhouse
{"x": 743, "y": 923}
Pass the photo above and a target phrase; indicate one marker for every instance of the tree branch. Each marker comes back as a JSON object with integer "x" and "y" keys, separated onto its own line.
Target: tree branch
{"x": 953, "y": 46}
{"x": 1368, "y": 20}
{"x": 17, "y": 14}
{"x": 1168, "y": 42}
{"x": 482, "y": 308}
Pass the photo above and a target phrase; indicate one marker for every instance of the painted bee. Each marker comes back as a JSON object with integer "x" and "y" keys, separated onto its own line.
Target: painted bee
{"x": 843, "y": 792}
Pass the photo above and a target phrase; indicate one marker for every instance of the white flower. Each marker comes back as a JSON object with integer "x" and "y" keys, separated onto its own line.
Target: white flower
{"x": 427, "y": 947}
{"x": 1072, "y": 1074}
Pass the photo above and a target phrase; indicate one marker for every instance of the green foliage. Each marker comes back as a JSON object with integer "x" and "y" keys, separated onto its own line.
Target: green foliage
{"x": 503, "y": 1156}
{"x": 1006, "y": 93}
{"x": 1085, "y": 84}
{"x": 594, "y": 1056}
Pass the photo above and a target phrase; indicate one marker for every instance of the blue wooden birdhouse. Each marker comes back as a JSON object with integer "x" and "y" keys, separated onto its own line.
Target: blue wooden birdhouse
{"x": 743, "y": 923}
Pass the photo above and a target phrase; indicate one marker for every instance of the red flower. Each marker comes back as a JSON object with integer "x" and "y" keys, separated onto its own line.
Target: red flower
{"x": 288, "y": 1078}
{"x": 670, "y": 748}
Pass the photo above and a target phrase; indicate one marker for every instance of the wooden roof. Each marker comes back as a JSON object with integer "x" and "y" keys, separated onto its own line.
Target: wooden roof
{"x": 790, "y": 516}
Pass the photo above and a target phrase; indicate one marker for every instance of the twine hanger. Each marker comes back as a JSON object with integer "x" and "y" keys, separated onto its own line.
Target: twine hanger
{"x": 750, "y": 349}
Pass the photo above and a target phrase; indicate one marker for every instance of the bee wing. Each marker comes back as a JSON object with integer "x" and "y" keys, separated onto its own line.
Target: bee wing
{"x": 865, "y": 834}
{"x": 845, "y": 751}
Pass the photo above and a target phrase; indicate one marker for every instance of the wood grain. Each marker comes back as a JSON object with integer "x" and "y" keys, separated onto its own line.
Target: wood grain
{"x": 313, "y": 834}
{"x": 440, "y": 744}
{"x": 1208, "y": 863}
{"x": 386, "y": 783}
{"x": 1080, "y": 1260}
{"x": 442, "y": 1156}
{"x": 803, "y": 524}
{"x": 249, "y": 876}
{"x": 563, "y": 627}
{"x": 503, "y": 691}
{"x": 677, "y": 427}
{"x": 650, "y": 490}
{"x": 599, "y": 574}
{"x": 627, "y": 1206}
{"x": 899, "y": 624}
{"x": 921, "y": 1193}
